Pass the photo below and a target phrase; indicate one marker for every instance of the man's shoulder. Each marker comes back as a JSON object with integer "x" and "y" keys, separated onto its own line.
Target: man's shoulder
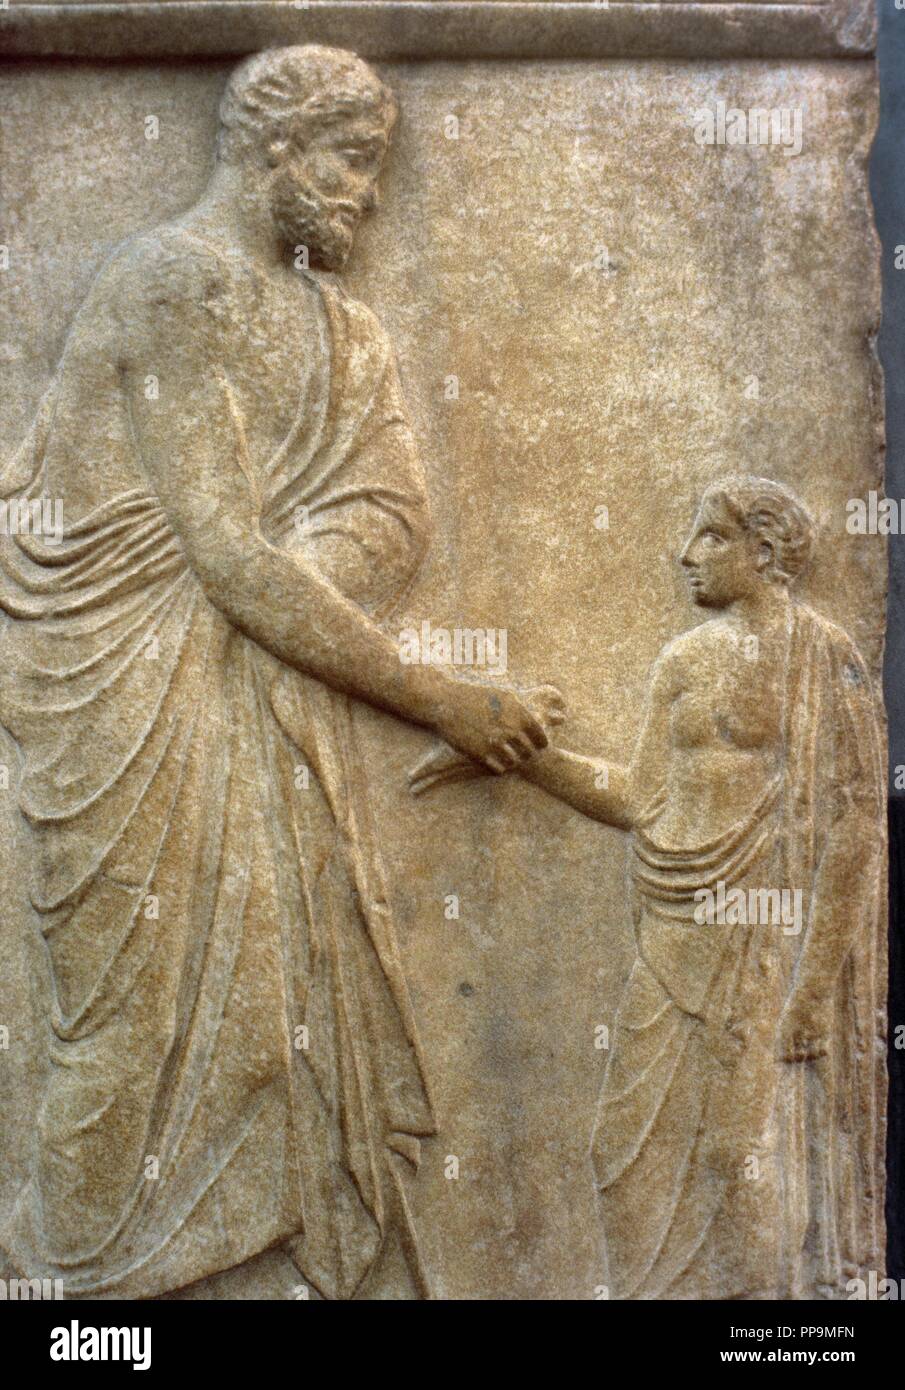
{"x": 164, "y": 266}
{"x": 358, "y": 318}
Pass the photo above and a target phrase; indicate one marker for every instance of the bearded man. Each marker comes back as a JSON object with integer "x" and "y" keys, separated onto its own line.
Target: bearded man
{"x": 234, "y": 1064}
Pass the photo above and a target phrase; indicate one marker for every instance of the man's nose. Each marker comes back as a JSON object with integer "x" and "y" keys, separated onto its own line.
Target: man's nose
{"x": 372, "y": 200}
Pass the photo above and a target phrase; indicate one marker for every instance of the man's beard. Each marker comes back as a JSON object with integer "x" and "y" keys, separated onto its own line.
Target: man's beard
{"x": 305, "y": 221}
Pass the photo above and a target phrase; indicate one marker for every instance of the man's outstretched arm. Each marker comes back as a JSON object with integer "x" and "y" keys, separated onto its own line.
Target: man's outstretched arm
{"x": 188, "y": 444}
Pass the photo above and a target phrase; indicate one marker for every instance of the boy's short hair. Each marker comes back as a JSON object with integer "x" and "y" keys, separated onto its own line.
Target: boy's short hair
{"x": 772, "y": 511}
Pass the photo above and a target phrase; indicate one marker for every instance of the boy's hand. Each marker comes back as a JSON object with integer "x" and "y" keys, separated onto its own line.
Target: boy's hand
{"x": 546, "y": 704}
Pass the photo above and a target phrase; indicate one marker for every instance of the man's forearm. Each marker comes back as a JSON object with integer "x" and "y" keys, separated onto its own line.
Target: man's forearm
{"x": 286, "y": 607}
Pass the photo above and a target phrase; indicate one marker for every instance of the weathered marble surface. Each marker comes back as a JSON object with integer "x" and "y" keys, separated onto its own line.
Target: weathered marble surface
{"x": 628, "y": 317}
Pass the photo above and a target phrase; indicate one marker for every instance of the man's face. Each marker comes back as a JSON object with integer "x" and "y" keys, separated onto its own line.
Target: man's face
{"x": 722, "y": 561}
{"x": 321, "y": 189}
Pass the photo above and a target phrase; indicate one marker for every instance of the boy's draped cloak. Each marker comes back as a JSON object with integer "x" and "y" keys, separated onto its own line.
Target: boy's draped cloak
{"x": 834, "y": 766}
{"x": 234, "y": 1061}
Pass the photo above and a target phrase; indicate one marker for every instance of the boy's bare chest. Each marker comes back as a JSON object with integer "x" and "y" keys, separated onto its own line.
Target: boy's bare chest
{"x": 734, "y": 699}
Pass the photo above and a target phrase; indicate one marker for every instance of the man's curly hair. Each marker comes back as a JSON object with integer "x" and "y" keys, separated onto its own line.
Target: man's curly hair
{"x": 281, "y": 91}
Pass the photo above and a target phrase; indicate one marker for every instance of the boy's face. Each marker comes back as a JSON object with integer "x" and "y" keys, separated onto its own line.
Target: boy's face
{"x": 723, "y": 562}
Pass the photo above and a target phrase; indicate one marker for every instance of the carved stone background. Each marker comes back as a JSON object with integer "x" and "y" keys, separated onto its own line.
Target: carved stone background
{"x": 577, "y": 388}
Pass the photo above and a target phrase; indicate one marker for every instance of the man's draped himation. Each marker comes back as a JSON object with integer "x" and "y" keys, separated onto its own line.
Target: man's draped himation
{"x": 202, "y": 906}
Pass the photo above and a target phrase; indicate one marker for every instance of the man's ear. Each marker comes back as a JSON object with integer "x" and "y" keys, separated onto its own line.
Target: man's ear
{"x": 764, "y": 556}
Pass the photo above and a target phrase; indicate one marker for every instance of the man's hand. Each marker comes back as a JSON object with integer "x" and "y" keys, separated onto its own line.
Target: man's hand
{"x": 803, "y": 1031}
{"x": 494, "y": 726}
{"x": 444, "y": 764}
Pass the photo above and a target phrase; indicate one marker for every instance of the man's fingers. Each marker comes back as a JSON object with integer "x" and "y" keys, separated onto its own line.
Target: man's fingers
{"x": 553, "y": 712}
{"x": 536, "y": 732}
{"x": 521, "y": 748}
{"x": 511, "y": 754}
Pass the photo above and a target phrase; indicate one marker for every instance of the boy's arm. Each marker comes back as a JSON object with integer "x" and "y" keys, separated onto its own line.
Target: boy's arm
{"x": 600, "y": 790}
{"x": 612, "y": 792}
